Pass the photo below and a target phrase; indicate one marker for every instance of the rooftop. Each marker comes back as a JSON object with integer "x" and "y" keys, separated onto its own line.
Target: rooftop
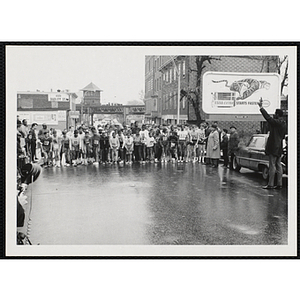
{"x": 91, "y": 87}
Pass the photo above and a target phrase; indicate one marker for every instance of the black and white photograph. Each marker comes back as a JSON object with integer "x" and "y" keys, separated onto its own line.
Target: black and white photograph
{"x": 151, "y": 151}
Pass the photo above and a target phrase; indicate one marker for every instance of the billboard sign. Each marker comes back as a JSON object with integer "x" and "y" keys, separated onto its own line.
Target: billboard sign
{"x": 137, "y": 109}
{"x": 58, "y": 97}
{"x": 238, "y": 93}
{"x": 109, "y": 109}
{"x": 47, "y": 117}
{"x": 74, "y": 114}
{"x": 40, "y": 117}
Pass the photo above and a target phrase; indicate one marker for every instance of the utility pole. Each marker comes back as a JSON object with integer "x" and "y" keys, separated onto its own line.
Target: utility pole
{"x": 178, "y": 93}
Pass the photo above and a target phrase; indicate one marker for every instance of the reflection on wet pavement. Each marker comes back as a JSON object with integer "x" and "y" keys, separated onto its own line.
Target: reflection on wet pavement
{"x": 156, "y": 204}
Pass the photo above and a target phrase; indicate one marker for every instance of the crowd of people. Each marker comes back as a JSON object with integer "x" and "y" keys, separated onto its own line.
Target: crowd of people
{"x": 114, "y": 144}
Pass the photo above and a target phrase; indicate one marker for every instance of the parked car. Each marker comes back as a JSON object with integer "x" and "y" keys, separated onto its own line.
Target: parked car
{"x": 253, "y": 156}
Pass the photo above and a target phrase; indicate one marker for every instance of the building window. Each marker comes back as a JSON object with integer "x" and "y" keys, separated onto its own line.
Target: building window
{"x": 183, "y": 68}
{"x": 175, "y": 100}
{"x": 174, "y": 73}
{"x": 167, "y": 76}
{"x": 167, "y": 102}
{"x": 183, "y": 102}
{"x": 170, "y": 75}
{"x": 179, "y": 68}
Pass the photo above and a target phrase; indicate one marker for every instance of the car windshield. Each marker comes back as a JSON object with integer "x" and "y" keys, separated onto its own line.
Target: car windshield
{"x": 257, "y": 142}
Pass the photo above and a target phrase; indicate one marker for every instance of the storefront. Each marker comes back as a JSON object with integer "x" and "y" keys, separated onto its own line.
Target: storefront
{"x": 54, "y": 109}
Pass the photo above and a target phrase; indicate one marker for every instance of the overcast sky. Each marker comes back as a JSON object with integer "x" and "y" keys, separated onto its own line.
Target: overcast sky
{"x": 118, "y": 71}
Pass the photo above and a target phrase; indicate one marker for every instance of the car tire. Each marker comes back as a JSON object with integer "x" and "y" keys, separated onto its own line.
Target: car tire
{"x": 235, "y": 165}
{"x": 265, "y": 172}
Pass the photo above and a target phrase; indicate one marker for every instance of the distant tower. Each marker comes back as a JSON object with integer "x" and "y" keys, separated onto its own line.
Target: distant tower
{"x": 91, "y": 95}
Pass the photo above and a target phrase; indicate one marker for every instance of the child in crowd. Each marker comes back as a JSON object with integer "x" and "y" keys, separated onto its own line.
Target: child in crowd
{"x": 194, "y": 137}
{"x": 81, "y": 135}
{"x": 144, "y": 134}
{"x": 114, "y": 143}
{"x": 75, "y": 146}
{"x": 65, "y": 149}
{"x": 137, "y": 146}
{"x": 128, "y": 147}
{"x": 201, "y": 144}
{"x": 86, "y": 148}
{"x": 56, "y": 140}
{"x": 173, "y": 145}
{"x": 121, "y": 138}
{"x": 164, "y": 143}
{"x": 95, "y": 140}
{"x": 182, "y": 143}
{"x": 157, "y": 146}
{"x": 150, "y": 141}
{"x": 47, "y": 150}
{"x": 106, "y": 155}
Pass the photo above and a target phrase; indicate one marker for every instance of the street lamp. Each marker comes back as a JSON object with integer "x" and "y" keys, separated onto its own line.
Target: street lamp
{"x": 178, "y": 93}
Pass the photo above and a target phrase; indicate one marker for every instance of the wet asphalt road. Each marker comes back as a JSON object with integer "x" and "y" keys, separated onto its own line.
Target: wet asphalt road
{"x": 156, "y": 204}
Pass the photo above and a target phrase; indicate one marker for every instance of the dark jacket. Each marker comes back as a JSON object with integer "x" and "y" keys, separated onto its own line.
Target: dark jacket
{"x": 224, "y": 142}
{"x": 233, "y": 142}
{"x": 277, "y": 132}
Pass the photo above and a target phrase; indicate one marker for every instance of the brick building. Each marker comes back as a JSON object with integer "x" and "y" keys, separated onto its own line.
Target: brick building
{"x": 153, "y": 89}
{"x": 53, "y": 108}
{"x": 170, "y": 69}
{"x": 161, "y": 86}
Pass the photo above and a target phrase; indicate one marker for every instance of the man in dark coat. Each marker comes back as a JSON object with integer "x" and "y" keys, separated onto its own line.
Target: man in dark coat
{"x": 33, "y": 135}
{"x": 274, "y": 145}
{"x": 233, "y": 144}
{"x": 224, "y": 147}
